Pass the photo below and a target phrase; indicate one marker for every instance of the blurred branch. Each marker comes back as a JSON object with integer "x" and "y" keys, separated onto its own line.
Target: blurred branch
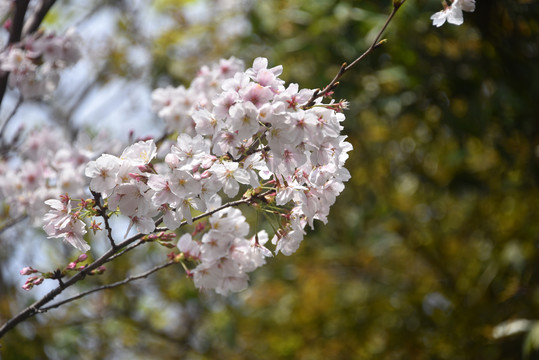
{"x": 37, "y": 17}
{"x": 8, "y": 118}
{"x": 11, "y": 222}
{"x": 108, "y": 286}
{"x": 34, "y": 308}
{"x": 345, "y": 67}
{"x": 14, "y": 36}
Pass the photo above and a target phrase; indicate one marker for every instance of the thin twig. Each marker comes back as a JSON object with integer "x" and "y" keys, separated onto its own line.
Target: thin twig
{"x": 104, "y": 215}
{"x": 345, "y": 67}
{"x": 108, "y": 286}
{"x": 127, "y": 249}
{"x": 9, "y": 117}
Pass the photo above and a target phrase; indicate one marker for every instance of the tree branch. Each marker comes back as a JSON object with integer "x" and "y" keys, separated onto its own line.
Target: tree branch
{"x": 111, "y": 254}
{"x": 4, "y": 147}
{"x": 14, "y": 36}
{"x": 33, "y": 23}
{"x": 34, "y": 308}
{"x": 345, "y": 67}
{"x": 103, "y": 214}
{"x": 108, "y": 286}
{"x": 11, "y": 223}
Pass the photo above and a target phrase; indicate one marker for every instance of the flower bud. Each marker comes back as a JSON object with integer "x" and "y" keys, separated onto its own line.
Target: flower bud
{"x": 172, "y": 161}
{"x": 27, "y": 271}
{"x": 72, "y": 265}
{"x": 82, "y": 257}
{"x": 100, "y": 270}
{"x": 27, "y": 286}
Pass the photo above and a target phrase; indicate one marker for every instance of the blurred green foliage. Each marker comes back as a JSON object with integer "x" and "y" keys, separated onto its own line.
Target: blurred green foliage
{"x": 434, "y": 242}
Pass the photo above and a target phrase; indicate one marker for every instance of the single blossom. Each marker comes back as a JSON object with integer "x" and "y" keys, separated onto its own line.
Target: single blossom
{"x": 453, "y": 13}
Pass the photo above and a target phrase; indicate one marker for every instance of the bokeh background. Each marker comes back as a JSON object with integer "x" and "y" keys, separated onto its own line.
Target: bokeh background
{"x": 432, "y": 250}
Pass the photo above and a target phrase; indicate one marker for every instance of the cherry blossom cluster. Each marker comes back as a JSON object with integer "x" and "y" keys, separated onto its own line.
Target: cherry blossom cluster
{"x": 239, "y": 129}
{"x": 225, "y": 254}
{"x": 176, "y": 105}
{"x": 62, "y": 222}
{"x": 453, "y": 13}
{"x": 46, "y": 166}
{"x": 35, "y": 62}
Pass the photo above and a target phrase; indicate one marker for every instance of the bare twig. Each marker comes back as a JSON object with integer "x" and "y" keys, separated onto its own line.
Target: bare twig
{"x": 108, "y": 286}
{"x": 345, "y": 67}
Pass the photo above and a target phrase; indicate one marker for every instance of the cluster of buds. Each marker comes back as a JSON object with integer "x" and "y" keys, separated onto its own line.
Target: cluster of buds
{"x": 73, "y": 265}
{"x": 32, "y": 280}
{"x": 162, "y": 238}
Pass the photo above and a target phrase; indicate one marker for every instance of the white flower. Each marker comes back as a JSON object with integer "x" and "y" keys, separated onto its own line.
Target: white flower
{"x": 189, "y": 247}
{"x": 467, "y": 5}
{"x": 60, "y": 223}
{"x": 229, "y": 174}
{"x": 453, "y": 14}
{"x": 140, "y": 153}
{"x": 103, "y": 172}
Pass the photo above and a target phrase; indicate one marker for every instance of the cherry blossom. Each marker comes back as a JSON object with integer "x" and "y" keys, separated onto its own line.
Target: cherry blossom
{"x": 453, "y": 13}
{"x": 237, "y": 130}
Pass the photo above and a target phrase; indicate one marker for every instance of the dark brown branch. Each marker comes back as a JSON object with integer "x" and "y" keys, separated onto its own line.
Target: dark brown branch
{"x": 105, "y": 216}
{"x": 14, "y": 36}
{"x": 18, "y": 21}
{"x": 345, "y": 67}
{"x": 34, "y": 308}
{"x": 37, "y": 307}
{"x": 108, "y": 286}
{"x": 33, "y": 23}
{"x": 6, "y": 121}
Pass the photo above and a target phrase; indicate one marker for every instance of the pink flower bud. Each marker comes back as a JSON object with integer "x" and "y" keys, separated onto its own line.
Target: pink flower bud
{"x": 71, "y": 266}
{"x": 135, "y": 176}
{"x": 82, "y": 257}
{"x": 64, "y": 198}
{"x": 38, "y": 281}
{"x": 206, "y": 174}
{"x": 28, "y": 286}
{"x": 27, "y": 271}
{"x": 172, "y": 161}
